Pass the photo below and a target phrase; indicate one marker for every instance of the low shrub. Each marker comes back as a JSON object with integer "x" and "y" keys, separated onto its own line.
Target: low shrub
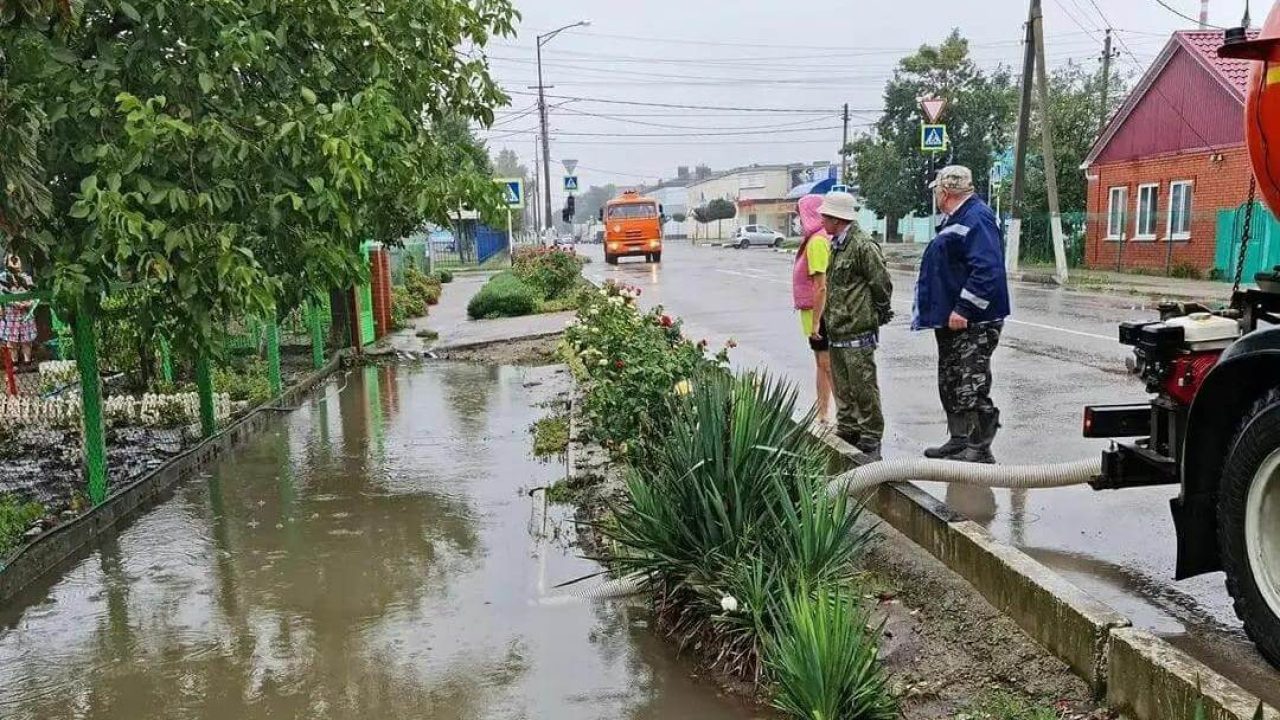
{"x": 244, "y": 381}
{"x": 15, "y": 517}
{"x": 554, "y": 272}
{"x": 445, "y": 275}
{"x": 422, "y": 286}
{"x": 1186, "y": 271}
{"x": 505, "y": 295}
{"x": 629, "y": 363}
{"x": 405, "y": 306}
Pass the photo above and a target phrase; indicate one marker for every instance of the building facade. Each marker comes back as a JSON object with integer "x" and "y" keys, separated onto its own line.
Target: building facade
{"x": 759, "y": 192}
{"x": 1169, "y": 161}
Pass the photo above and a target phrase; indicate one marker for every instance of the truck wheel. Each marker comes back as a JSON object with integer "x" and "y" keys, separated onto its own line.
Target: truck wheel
{"x": 611, "y": 259}
{"x": 657, "y": 257}
{"x": 1248, "y": 519}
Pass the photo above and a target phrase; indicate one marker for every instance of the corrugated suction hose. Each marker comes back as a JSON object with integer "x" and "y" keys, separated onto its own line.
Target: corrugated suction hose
{"x": 869, "y": 476}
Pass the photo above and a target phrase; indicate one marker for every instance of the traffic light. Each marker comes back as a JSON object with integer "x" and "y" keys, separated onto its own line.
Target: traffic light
{"x": 565, "y": 214}
{"x": 569, "y": 206}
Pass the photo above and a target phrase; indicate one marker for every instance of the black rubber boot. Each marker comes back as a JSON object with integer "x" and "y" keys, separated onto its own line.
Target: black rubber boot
{"x": 958, "y": 426}
{"x": 869, "y": 447}
{"x": 985, "y": 426}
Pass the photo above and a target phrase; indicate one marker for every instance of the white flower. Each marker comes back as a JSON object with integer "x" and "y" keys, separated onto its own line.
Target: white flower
{"x": 603, "y": 362}
{"x": 729, "y": 604}
{"x": 616, "y": 300}
{"x": 595, "y": 311}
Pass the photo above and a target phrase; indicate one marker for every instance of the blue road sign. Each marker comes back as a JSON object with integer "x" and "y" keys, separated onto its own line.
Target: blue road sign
{"x": 933, "y": 138}
{"x": 513, "y": 190}
{"x": 571, "y": 183}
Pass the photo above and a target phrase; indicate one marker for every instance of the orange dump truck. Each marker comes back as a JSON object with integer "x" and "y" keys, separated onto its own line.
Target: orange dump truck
{"x": 632, "y": 228}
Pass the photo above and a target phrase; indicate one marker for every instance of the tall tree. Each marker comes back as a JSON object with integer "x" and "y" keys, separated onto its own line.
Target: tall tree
{"x": 892, "y": 170}
{"x": 231, "y": 155}
{"x": 589, "y": 203}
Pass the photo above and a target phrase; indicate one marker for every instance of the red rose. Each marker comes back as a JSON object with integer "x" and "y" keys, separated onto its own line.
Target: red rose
{"x": 731, "y": 344}
{"x": 619, "y": 364}
{"x": 666, "y": 321}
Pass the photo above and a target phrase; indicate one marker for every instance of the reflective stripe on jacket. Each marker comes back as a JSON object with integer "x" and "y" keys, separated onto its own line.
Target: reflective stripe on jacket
{"x": 962, "y": 270}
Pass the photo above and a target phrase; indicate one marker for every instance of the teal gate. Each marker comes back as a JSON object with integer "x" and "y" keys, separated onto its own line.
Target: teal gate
{"x": 1264, "y": 242}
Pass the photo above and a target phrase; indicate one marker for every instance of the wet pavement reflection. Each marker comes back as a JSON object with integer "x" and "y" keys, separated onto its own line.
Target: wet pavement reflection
{"x": 375, "y": 554}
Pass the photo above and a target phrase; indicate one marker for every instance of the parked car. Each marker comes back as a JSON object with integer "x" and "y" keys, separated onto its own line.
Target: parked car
{"x": 749, "y": 235}
{"x": 443, "y": 241}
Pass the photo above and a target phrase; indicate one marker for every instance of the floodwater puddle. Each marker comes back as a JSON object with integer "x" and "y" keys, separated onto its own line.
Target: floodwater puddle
{"x": 374, "y": 554}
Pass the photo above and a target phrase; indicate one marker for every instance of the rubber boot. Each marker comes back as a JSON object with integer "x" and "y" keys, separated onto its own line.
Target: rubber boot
{"x": 870, "y": 448}
{"x": 958, "y": 426}
{"x": 983, "y": 433}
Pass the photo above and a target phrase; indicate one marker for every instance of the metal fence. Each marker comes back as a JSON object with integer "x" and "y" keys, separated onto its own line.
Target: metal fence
{"x": 103, "y": 401}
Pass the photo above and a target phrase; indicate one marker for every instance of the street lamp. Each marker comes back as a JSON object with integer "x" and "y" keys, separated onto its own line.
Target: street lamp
{"x": 542, "y": 113}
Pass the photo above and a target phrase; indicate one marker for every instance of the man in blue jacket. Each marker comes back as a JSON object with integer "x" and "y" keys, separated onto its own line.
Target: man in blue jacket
{"x": 963, "y": 296}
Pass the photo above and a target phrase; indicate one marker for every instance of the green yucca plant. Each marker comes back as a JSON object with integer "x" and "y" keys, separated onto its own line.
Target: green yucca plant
{"x": 824, "y": 658}
{"x": 730, "y": 508}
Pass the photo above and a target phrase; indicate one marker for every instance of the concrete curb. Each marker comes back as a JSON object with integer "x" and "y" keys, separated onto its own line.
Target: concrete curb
{"x": 481, "y": 344}
{"x": 49, "y": 550}
{"x": 1153, "y": 679}
{"x": 1136, "y": 672}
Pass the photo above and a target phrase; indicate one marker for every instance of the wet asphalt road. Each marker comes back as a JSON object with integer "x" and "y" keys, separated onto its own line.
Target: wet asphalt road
{"x": 1058, "y": 353}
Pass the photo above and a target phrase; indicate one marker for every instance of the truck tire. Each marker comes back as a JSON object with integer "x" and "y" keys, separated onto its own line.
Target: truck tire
{"x": 657, "y": 257}
{"x": 1249, "y": 524}
{"x": 611, "y": 259}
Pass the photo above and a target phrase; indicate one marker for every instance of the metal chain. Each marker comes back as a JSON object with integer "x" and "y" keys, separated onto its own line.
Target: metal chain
{"x": 1245, "y": 234}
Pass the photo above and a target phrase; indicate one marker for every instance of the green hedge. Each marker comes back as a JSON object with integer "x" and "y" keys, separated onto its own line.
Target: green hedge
{"x": 505, "y": 295}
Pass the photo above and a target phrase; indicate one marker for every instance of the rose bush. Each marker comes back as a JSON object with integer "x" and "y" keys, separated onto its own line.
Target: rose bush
{"x": 629, "y": 361}
{"x": 553, "y": 272}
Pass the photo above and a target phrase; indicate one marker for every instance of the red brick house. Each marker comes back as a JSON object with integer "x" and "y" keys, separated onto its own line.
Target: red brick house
{"x": 1169, "y": 160}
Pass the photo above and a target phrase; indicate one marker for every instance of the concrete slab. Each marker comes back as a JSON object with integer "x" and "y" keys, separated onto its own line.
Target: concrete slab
{"x": 1149, "y": 678}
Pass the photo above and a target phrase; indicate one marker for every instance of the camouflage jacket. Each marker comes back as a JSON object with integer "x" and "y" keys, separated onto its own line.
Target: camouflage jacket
{"x": 859, "y": 289}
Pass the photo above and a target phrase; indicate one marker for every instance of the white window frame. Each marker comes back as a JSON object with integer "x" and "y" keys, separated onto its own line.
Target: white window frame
{"x": 1114, "y": 232}
{"x": 1137, "y": 211}
{"x": 1189, "y": 195}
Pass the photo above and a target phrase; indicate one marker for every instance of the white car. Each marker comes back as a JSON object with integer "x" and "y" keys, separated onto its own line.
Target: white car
{"x": 749, "y": 235}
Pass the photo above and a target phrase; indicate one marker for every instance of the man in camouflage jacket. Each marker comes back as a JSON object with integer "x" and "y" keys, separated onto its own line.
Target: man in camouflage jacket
{"x": 859, "y": 291}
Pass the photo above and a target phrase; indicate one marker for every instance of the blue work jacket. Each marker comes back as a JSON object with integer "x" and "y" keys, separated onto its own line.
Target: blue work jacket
{"x": 962, "y": 270}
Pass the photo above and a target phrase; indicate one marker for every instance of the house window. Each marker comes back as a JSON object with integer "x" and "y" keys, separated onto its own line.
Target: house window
{"x": 1180, "y": 210}
{"x": 1144, "y": 224}
{"x": 1115, "y": 212}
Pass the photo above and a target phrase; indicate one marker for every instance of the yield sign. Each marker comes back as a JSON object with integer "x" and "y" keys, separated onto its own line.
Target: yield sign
{"x": 933, "y": 108}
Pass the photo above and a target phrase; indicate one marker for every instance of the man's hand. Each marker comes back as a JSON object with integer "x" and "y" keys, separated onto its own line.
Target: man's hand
{"x": 816, "y": 337}
{"x": 957, "y": 321}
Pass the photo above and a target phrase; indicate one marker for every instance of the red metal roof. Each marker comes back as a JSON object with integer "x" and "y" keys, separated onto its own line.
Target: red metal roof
{"x": 1204, "y": 45}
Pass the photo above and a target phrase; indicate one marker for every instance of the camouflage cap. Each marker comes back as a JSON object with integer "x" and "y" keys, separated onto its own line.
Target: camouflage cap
{"x": 954, "y": 179}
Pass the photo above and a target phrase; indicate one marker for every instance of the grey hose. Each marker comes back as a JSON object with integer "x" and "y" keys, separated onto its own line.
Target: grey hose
{"x": 604, "y": 590}
{"x": 869, "y": 476}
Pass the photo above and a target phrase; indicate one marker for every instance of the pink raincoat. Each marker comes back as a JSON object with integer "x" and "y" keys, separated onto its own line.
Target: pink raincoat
{"x": 802, "y": 290}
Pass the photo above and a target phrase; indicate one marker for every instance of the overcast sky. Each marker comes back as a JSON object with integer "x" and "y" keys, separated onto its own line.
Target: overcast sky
{"x": 807, "y": 58}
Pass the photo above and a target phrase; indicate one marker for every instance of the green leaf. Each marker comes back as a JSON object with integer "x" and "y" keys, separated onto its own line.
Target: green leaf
{"x": 309, "y": 95}
{"x": 89, "y": 187}
{"x": 206, "y": 83}
{"x": 316, "y": 183}
{"x": 130, "y": 11}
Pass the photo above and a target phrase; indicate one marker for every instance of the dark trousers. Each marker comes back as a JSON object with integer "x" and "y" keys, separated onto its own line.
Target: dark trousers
{"x": 964, "y": 367}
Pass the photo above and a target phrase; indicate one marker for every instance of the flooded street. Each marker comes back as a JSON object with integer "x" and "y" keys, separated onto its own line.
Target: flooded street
{"x": 374, "y": 554}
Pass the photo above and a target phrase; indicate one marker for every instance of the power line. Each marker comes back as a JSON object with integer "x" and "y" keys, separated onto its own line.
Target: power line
{"x": 1182, "y": 15}
{"x": 677, "y": 106}
{"x": 1154, "y": 86}
{"x": 755, "y": 44}
{"x": 689, "y": 134}
{"x": 619, "y": 118}
{"x": 1072, "y": 17}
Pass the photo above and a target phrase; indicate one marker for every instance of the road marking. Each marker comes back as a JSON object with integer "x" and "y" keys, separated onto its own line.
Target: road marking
{"x": 1054, "y": 328}
{"x": 753, "y": 277}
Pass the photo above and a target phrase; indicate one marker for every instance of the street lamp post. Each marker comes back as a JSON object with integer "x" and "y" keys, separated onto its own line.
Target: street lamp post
{"x": 547, "y": 220}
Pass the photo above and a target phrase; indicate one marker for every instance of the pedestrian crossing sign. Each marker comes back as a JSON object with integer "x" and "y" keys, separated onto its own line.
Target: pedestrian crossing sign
{"x": 512, "y": 192}
{"x": 933, "y": 138}
{"x": 571, "y": 183}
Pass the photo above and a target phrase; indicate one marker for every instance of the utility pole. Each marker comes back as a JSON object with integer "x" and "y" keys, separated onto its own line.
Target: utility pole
{"x": 547, "y": 220}
{"x": 546, "y": 144}
{"x": 1050, "y": 164}
{"x": 1107, "y": 56}
{"x": 1020, "y": 143}
{"x": 1204, "y": 14}
{"x": 844, "y": 148}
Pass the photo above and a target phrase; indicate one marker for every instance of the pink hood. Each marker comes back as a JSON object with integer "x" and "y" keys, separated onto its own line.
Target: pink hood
{"x": 810, "y": 218}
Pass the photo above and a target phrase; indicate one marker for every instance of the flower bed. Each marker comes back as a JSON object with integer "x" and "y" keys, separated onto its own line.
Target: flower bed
{"x": 540, "y": 280}
{"x": 751, "y": 565}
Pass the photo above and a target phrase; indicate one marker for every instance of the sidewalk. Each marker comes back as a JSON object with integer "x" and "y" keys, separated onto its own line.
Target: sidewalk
{"x": 1155, "y": 288}
{"x": 450, "y": 320}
